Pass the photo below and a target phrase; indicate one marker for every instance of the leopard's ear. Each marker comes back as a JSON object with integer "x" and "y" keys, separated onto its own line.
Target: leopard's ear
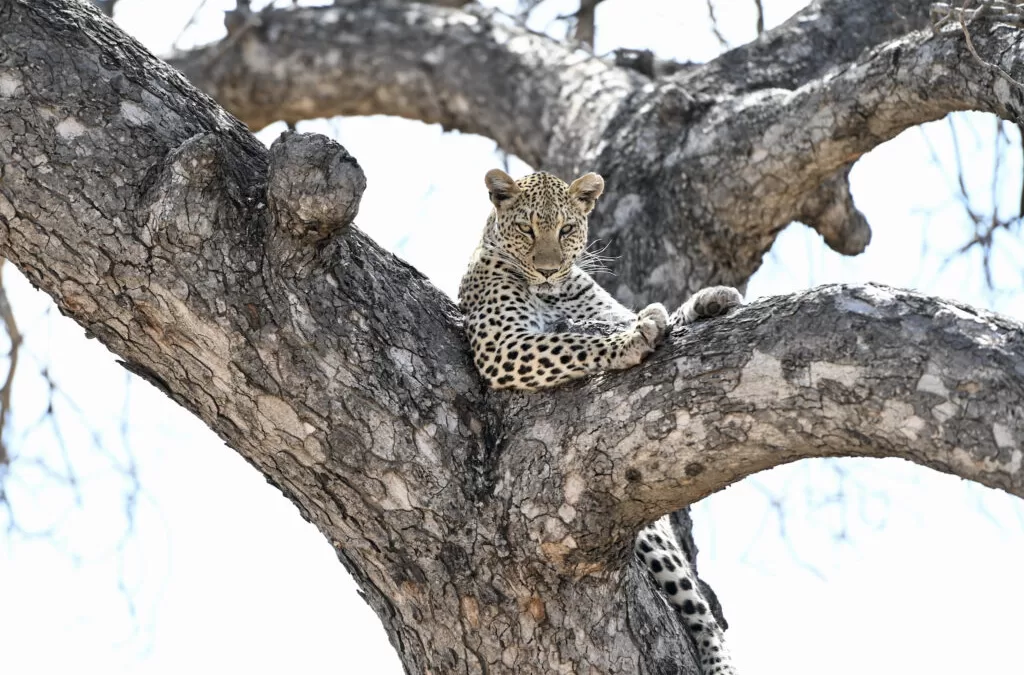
{"x": 586, "y": 189}
{"x": 500, "y": 186}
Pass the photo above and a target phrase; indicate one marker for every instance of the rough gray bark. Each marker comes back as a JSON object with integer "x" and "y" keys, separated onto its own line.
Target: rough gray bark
{"x": 489, "y": 531}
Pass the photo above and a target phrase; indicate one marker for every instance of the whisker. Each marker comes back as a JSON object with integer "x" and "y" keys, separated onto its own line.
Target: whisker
{"x": 595, "y": 244}
{"x": 598, "y": 270}
{"x": 593, "y": 257}
{"x": 591, "y": 261}
{"x": 590, "y": 264}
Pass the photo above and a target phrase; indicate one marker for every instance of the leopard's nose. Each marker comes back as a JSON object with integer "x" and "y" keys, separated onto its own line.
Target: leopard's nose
{"x": 547, "y": 273}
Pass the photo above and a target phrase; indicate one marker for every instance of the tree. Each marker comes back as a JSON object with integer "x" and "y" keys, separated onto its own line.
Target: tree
{"x": 490, "y": 531}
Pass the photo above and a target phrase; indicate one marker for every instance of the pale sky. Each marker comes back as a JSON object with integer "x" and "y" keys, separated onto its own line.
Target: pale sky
{"x": 873, "y": 566}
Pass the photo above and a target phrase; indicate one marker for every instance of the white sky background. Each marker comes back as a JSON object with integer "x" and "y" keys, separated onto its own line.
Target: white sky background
{"x": 910, "y": 571}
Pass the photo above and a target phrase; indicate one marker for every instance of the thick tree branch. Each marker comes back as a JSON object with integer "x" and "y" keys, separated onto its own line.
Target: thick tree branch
{"x": 169, "y": 256}
{"x": 144, "y": 210}
{"x": 837, "y": 371}
{"x": 824, "y": 35}
{"x": 419, "y": 62}
{"x": 796, "y": 140}
{"x": 474, "y": 70}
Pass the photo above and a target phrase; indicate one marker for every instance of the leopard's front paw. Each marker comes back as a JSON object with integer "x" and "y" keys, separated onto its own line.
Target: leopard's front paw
{"x": 650, "y": 328}
{"x": 652, "y": 323}
{"x": 709, "y": 302}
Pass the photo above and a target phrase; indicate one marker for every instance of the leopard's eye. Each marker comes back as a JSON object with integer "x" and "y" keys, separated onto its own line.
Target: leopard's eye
{"x": 525, "y": 228}
{"x": 567, "y": 230}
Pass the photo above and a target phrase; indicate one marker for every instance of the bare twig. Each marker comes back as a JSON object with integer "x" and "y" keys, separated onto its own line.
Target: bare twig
{"x": 505, "y": 157}
{"x": 238, "y": 22}
{"x": 999, "y": 11}
{"x": 14, "y": 335}
{"x": 188, "y": 24}
{"x": 974, "y": 52}
{"x": 760, "y": 16}
{"x": 525, "y": 8}
{"x": 985, "y": 223}
{"x": 581, "y": 22}
{"x": 1010, "y": 14}
{"x": 585, "y": 26}
{"x": 776, "y": 510}
{"x": 714, "y": 25}
{"x": 1020, "y": 208}
{"x": 758, "y": 5}
{"x": 27, "y": 464}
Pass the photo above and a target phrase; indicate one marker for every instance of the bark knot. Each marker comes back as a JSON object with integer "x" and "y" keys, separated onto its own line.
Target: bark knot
{"x": 830, "y": 210}
{"x": 313, "y": 185}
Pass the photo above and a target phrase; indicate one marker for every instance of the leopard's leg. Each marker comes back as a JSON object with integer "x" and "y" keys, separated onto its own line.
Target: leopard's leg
{"x": 657, "y": 548}
{"x": 707, "y": 303}
{"x": 526, "y": 360}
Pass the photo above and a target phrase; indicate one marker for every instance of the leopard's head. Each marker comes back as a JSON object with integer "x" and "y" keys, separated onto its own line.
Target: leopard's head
{"x": 540, "y": 221}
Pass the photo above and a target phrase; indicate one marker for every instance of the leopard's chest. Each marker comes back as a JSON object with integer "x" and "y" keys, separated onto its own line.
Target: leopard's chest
{"x": 553, "y": 307}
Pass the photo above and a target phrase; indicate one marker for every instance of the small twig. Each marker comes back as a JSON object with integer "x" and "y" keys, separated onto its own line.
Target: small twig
{"x": 714, "y": 25}
{"x": 1009, "y": 14}
{"x": 11, "y": 326}
{"x": 583, "y": 22}
{"x": 526, "y": 7}
{"x": 505, "y": 159}
{"x": 191, "y": 22}
{"x": 1003, "y": 12}
{"x": 1020, "y": 210}
{"x": 238, "y": 23}
{"x": 777, "y": 508}
{"x": 970, "y": 44}
{"x": 586, "y": 22}
{"x": 985, "y": 225}
{"x": 760, "y": 16}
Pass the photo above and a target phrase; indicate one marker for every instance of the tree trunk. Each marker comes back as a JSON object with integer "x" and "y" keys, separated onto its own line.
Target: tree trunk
{"x": 489, "y": 530}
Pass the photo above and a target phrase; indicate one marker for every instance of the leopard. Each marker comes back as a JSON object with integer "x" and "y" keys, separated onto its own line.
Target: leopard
{"x": 535, "y": 319}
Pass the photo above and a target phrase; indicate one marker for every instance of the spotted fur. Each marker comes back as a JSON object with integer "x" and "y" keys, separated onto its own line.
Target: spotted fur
{"x": 522, "y": 281}
{"x": 657, "y": 549}
{"x": 535, "y": 319}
